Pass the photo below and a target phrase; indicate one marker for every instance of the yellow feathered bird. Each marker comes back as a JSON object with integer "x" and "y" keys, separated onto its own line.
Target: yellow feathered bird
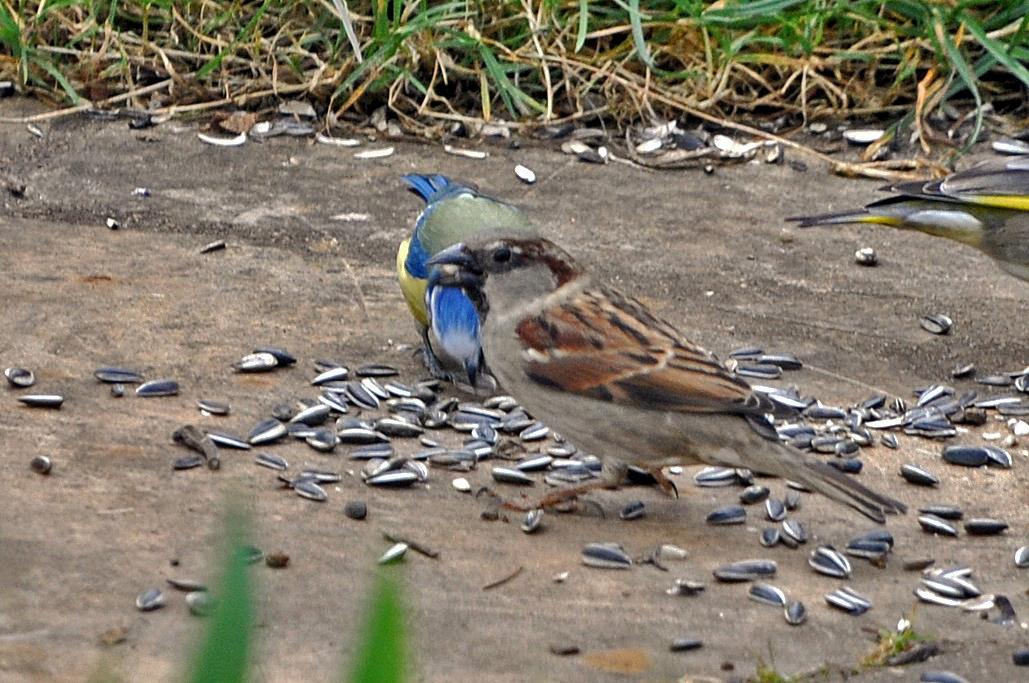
{"x": 985, "y": 206}
{"x": 446, "y": 317}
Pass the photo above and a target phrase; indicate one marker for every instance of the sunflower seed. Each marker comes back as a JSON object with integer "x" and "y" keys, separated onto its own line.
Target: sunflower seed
{"x": 634, "y": 510}
{"x": 376, "y": 370}
{"x": 849, "y": 601}
{"x": 271, "y": 461}
{"x": 525, "y": 174}
{"x": 378, "y": 153}
{"x": 312, "y": 416}
{"x": 41, "y": 464}
{"x": 998, "y": 456}
{"x": 158, "y": 387}
{"x": 228, "y": 441}
{"x": 605, "y": 556}
{"x": 760, "y": 371}
{"x": 951, "y": 512}
{"x": 532, "y": 520}
{"x": 118, "y": 376}
{"x": 728, "y": 514}
{"x": 775, "y": 510}
{"x": 866, "y": 256}
{"x": 308, "y": 488}
{"x": 394, "y": 554}
{"x": 534, "y": 432}
{"x": 795, "y": 613}
{"x": 186, "y": 585}
{"x": 715, "y": 476}
{"x": 969, "y": 456}
{"x": 932, "y": 597}
{"x": 395, "y": 426}
{"x": 754, "y": 494}
{"x": 934, "y": 525}
{"x": 863, "y": 136}
{"x": 150, "y": 600}
{"x": 535, "y": 464}
{"x": 916, "y": 475}
{"x": 889, "y": 440}
{"x": 745, "y": 570}
{"x": 1022, "y": 557}
{"x": 20, "y": 377}
{"x": 507, "y": 475}
{"x": 827, "y": 560}
{"x": 208, "y": 407}
{"x": 685, "y": 644}
{"x": 42, "y": 400}
{"x": 1021, "y": 657}
{"x": 256, "y": 362}
{"x": 200, "y": 603}
{"x": 767, "y": 594}
{"x": 936, "y": 324}
{"x": 396, "y": 478}
{"x": 941, "y": 677}
{"x": 266, "y": 431}
{"x": 337, "y": 373}
{"x": 983, "y": 526}
{"x": 794, "y": 530}
{"x": 361, "y": 436}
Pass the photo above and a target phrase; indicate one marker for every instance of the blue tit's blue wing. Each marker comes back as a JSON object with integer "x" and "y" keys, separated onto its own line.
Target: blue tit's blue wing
{"x": 454, "y": 331}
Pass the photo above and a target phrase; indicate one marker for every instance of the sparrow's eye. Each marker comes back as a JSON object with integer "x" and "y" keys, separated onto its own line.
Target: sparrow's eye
{"x": 501, "y": 255}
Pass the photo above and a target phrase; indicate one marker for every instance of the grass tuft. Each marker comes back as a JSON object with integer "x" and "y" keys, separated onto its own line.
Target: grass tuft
{"x": 435, "y": 62}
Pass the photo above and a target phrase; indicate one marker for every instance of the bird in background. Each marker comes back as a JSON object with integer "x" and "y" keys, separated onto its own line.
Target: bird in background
{"x": 619, "y": 382}
{"x": 446, "y": 318}
{"x": 985, "y": 206}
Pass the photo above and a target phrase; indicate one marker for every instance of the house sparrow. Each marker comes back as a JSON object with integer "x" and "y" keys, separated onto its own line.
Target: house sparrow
{"x": 446, "y": 319}
{"x": 985, "y": 206}
{"x": 617, "y": 380}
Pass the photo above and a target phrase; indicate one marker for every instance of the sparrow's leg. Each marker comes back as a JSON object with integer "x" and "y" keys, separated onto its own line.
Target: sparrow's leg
{"x": 665, "y": 484}
{"x": 611, "y": 476}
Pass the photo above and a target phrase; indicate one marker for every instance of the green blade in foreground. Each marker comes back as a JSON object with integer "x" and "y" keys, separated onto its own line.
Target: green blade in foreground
{"x": 224, "y": 652}
{"x": 380, "y": 657}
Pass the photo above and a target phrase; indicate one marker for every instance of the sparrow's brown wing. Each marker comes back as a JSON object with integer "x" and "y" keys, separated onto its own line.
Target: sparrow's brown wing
{"x": 602, "y": 344}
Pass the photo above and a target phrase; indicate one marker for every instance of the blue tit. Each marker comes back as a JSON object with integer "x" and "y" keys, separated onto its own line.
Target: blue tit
{"x": 985, "y": 206}
{"x": 446, "y": 317}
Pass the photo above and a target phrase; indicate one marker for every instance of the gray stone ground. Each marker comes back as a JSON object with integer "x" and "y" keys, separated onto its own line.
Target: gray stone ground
{"x": 709, "y": 252}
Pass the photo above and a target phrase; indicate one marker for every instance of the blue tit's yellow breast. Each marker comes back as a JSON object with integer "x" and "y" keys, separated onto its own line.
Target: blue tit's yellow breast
{"x": 412, "y": 287}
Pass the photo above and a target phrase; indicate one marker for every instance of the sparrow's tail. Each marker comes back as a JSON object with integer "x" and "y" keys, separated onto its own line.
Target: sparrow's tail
{"x": 829, "y": 481}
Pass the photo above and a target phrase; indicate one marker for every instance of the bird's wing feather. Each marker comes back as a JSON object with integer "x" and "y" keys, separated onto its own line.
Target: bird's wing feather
{"x": 604, "y": 345}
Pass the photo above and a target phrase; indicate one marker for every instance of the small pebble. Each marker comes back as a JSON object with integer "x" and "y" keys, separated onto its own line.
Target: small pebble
{"x": 355, "y": 509}
{"x": 276, "y": 560}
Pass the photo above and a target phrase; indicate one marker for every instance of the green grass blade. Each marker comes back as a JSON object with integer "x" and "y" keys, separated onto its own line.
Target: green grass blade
{"x": 47, "y": 66}
{"x": 636, "y": 21}
{"x": 964, "y": 72}
{"x": 380, "y": 656}
{"x": 208, "y": 68}
{"x": 224, "y": 652}
{"x": 998, "y": 51}
{"x": 584, "y": 17}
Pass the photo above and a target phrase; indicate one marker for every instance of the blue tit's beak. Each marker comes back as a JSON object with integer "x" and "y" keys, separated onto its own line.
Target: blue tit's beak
{"x": 454, "y": 267}
{"x": 454, "y": 255}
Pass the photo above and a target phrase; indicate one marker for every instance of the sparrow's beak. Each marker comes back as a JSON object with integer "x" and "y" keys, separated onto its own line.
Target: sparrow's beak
{"x": 455, "y": 267}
